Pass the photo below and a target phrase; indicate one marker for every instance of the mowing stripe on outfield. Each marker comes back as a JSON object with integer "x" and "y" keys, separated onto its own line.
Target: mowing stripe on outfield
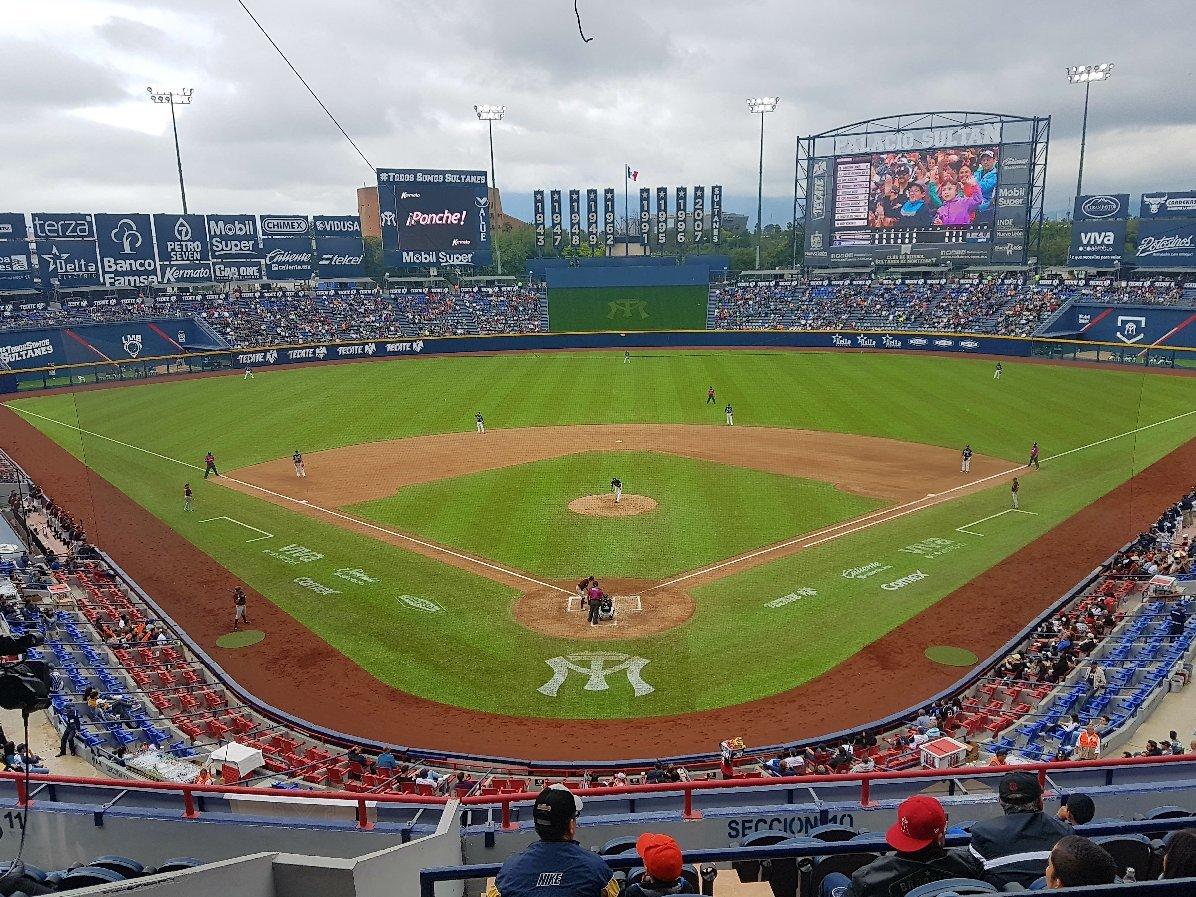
{"x": 331, "y": 513}
{"x": 887, "y": 514}
{"x": 805, "y": 541}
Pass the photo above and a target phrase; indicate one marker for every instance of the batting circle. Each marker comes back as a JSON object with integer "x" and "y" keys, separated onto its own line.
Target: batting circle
{"x": 240, "y": 639}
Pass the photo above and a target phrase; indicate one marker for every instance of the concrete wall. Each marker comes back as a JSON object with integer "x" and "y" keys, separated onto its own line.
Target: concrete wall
{"x": 248, "y": 876}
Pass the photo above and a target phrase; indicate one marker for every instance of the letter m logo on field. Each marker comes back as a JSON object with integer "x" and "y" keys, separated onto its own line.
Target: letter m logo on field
{"x": 628, "y": 308}
{"x": 593, "y": 665}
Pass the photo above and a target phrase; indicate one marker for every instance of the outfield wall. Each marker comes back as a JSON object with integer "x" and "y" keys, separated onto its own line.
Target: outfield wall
{"x": 147, "y": 366}
{"x": 1128, "y": 325}
{"x": 35, "y": 349}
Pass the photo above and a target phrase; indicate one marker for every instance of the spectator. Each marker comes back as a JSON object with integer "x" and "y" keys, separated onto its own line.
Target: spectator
{"x": 918, "y": 836}
{"x": 1075, "y": 862}
{"x": 1088, "y": 744}
{"x": 1179, "y": 859}
{"x": 556, "y": 865}
{"x": 386, "y": 760}
{"x": 70, "y": 720}
{"x": 1077, "y": 809}
{"x": 662, "y": 868}
{"x": 1015, "y": 847}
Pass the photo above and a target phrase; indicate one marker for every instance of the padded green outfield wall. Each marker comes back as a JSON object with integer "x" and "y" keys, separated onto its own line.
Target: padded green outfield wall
{"x": 572, "y": 309}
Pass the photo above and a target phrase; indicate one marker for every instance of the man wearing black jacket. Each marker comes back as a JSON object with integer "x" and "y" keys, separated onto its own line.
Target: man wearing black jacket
{"x": 1015, "y": 847}
{"x": 921, "y": 858}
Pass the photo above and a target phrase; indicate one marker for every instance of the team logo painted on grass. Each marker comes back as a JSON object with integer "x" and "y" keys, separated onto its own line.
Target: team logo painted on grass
{"x": 866, "y": 570}
{"x": 797, "y": 595}
{"x": 317, "y": 587}
{"x": 293, "y": 554}
{"x": 916, "y": 576}
{"x": 931, "y": 548}
{"x": 424, "y": 604}
{"x": 593, "y": 665}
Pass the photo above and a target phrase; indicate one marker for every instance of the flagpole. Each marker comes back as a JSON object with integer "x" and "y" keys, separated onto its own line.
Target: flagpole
{"x": 626, "y": 219}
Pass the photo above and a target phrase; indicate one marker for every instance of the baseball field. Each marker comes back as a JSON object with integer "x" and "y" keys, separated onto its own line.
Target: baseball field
{"x": 419, "y": 583}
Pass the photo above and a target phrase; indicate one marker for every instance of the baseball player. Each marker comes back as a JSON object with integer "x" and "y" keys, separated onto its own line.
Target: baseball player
{"x": 186, "y": 496}
{"x": 997, "y": 371}
{"x": 596, "y": 606}
{"x": 298, "y": 459}
{"x": 239, "y": 602}
{"x": 617, "y": 485}
{"x": 248, "y": 374}
{"x": 583, "y": 591}
{"x": 626, "y": 358}
{"x": 209, "y": 465}
{"x": 1014, "y": 488}
{"x": 730, "y": 415}
{"x": 1033, "y": 462}
{"x": 710, "y": 396}
{"x": 965, "y": 464}
{"x": 479, "y": 423}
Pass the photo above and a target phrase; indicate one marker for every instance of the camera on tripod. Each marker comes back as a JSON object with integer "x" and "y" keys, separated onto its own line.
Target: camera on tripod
{"x": 24, "y": 684}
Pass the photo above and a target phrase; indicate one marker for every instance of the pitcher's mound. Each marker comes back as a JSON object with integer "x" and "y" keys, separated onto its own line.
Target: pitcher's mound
{"x": 604, "y": 505}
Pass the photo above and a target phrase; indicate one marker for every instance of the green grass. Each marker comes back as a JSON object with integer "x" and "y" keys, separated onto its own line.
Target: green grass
{"x": 734, "y": 648}
{"x": 574, "y": 309}
{"x": 706, "y": 513}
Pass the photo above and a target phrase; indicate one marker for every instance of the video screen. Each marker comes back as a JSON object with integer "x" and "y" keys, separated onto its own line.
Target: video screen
{"x": 916, "y": 196}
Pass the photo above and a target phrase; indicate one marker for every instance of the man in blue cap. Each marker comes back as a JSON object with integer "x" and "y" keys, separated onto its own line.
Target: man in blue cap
{"x": 556, "y": 865}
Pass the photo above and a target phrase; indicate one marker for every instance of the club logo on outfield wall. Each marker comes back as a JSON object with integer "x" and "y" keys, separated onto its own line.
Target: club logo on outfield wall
{"x": 1130, "y": 328}
{"x": 593, "y": 665}
{"x": 132, "y": 344}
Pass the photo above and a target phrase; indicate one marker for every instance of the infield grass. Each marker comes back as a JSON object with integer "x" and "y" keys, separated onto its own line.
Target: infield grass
{"x": 706, "y": 512}
{"x": 735, "y": 648}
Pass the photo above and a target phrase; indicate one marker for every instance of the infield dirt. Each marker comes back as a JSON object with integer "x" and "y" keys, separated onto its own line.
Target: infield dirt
{"x": 296, "y": 671}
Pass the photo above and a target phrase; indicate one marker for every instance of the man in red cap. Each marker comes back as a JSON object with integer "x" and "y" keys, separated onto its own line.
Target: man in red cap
{"x": 918, "y": 837}
{"x": 662, "y": 868}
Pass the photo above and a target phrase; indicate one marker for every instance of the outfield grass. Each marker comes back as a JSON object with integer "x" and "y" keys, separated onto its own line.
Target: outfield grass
{"x": 717, "y": 658}
{"x": 706, "y": 512}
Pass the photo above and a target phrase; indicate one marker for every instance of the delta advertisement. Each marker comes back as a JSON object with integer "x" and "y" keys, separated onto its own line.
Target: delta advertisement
{"x": 434, "y": 217}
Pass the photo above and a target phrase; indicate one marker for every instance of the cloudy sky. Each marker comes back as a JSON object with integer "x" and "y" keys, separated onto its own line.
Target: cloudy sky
{"x": 661, "y": 85}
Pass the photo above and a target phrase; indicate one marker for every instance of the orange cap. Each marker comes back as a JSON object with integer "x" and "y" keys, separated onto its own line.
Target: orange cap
{"x": 661, "y": 856}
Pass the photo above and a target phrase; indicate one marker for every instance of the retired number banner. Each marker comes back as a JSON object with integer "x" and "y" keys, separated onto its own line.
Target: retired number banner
{"x": 592, "y": 217}
{"x": 608, "y": 216}
{"x": 679, "y": 217}
{"x": 699, "y": 214}
{"x": 538, "y": 217}
{"x": 662, "y": 215}
{"x": 645, "y": 214}
{"x": 558, "y": 231}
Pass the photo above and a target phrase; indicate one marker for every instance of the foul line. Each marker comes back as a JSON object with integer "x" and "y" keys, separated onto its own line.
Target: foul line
{"x": 303, "y": 503}
{"x": 964, "y": 528}
{"x": 887, "y": 514}
{"x": 264, "y": 534}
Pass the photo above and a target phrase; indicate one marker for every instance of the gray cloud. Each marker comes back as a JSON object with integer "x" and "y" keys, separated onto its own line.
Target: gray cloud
{"x": 661, "y": 86}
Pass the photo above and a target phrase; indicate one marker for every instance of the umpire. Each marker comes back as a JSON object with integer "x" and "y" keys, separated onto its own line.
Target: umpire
{"x": 556, "y": 865}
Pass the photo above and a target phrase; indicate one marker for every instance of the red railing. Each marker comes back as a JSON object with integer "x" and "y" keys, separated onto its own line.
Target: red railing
{"x": 362, "y": 800}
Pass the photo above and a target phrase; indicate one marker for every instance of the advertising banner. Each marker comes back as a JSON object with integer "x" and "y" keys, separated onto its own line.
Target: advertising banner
{"x": 289, "y": 258}
{"x": 592, "y": 217}
{"x": 538, "y": 217}
{"x": 429, "y": 217}
{"x": 239, "y": 270}
{"x": 60, "y": 226}
{"x": 645, "y": 214}
{"x": 16, "y": 267}
{"x": 233, "y": 237}
{"x": 608, "y": 216}
{"x": 337, "y": 226}
{"x": 716, "y": 213}
{"x": 181, "y": 240}
{"x": 574, "y": 218}
{"x": 179, "y": 273}
{"x": 1096, "y": 244}
{"x": 662, "y": 215}
{"x": 1166, "y": 244}
{"x": 1169, "y": 204}
{"x": 68, "y": 264}
{"x": 284, "y": 227}
{"x": 1102, "y": 207}
{"x": 340, "y": 258}
{"x": 558, "y": 230}
{"x": 680, "y": 215}
{"x": 126, "y": 246}
{"x": 12, "y": 226}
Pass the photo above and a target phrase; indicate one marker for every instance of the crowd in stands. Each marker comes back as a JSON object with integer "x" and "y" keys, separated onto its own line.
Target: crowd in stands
{"x": 1009, "y": 304}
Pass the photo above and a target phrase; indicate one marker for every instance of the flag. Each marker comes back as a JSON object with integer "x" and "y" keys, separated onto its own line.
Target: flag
{"x": 632, "y": 174}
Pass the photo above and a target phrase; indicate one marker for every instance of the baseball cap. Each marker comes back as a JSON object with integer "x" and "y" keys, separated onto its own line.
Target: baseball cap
{"x": 1081, "y": 808}
{"x": 554, "y": 807}
{"x": 920, "y": 822}
{"x": 661, "y": 856}
{"x": 1019, "y": 788}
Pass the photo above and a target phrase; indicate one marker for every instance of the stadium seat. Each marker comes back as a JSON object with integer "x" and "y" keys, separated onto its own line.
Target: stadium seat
{"x": 1129, "y": 851}
{"x": 963, "y": 887}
